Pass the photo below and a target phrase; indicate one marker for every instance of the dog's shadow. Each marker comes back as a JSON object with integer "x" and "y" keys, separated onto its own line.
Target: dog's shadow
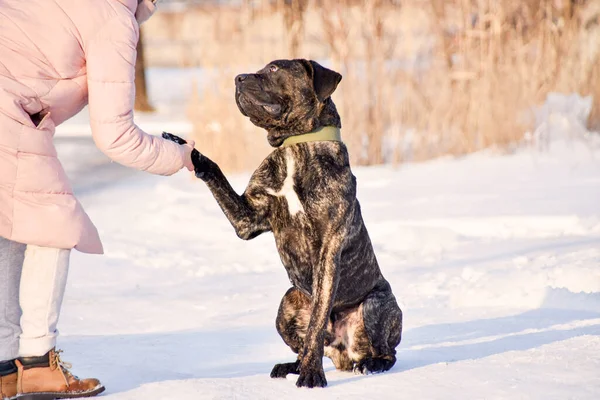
{"x": 124, "y": 362}
{"x": 471, "y": 340}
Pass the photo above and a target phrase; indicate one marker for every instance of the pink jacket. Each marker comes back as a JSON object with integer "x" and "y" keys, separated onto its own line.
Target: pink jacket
{"x": 56, "y": 56}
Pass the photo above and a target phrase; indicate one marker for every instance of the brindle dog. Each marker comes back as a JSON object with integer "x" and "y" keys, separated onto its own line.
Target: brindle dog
{"x": 339, "y": 304}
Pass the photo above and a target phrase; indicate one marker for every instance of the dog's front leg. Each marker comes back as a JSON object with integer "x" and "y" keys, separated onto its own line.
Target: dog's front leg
{"x": 246, "y": 213}
{"x": 325, "y": 281}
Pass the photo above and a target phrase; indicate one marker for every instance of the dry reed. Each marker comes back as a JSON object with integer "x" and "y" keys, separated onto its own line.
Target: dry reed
{"x": 422, "y": 78}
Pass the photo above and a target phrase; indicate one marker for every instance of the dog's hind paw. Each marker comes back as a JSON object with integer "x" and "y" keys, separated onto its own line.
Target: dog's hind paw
{"x": 373, "y": 365}
{"x": 282, "y": 370}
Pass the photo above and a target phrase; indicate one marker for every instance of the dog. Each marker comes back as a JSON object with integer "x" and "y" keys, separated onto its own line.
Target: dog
{"x": 304, "y": 192}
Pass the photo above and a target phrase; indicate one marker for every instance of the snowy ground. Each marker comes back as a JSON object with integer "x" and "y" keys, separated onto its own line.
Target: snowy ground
{"x": 495, "y": 260}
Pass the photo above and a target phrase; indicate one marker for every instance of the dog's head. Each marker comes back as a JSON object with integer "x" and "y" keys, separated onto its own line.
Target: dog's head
{"x": 288, "y": 97}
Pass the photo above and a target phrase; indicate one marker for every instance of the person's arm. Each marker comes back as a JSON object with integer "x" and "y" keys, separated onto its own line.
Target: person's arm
{"x": 110, "y": 59}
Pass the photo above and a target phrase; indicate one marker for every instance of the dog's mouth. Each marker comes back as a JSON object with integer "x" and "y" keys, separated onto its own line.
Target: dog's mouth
{"x": 248, "y": 100}
{"x": 273, "y": 109}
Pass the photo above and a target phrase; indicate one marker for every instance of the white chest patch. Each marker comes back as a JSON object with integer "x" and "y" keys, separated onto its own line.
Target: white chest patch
{"x": 287, "y": 190}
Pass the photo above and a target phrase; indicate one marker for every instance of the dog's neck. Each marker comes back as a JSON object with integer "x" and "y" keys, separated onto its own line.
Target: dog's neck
{"x": 326, "y": 116}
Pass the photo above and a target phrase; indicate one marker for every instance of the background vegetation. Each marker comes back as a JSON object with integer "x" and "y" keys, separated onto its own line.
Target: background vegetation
{"x": 422, "y": 78}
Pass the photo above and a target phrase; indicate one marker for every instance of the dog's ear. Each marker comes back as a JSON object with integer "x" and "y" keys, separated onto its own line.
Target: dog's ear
{"x": 325, "y": 81}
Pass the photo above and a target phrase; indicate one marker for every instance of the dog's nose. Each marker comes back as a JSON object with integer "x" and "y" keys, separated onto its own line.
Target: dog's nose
{"x": 241, "y": 78}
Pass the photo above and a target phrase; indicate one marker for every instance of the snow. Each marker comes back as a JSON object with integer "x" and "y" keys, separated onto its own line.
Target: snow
{"x": 493, "y": 258}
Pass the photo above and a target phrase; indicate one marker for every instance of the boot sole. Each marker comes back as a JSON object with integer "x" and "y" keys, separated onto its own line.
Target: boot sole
{"x": 54, "y": 396}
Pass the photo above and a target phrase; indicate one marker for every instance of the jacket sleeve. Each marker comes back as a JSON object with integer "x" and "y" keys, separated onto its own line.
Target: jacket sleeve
{"x": 110, "y": 60}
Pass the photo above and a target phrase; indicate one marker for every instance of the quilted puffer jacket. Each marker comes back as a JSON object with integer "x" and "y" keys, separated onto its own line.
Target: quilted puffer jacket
{"x": 56, "y": 56}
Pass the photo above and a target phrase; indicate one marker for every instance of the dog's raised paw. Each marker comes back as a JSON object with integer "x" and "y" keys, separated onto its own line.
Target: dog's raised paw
{"x": 200, "y": 164}
{"x": 283, "y": 370}
{"x": 173, "y": 138}
{"x": 311, "y": 379}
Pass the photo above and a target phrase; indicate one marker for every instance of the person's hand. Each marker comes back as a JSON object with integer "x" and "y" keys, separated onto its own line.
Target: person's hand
{"x": 189, "y": 147}
{"x": 203, "y": 167}
{"x": 187, "y": 159}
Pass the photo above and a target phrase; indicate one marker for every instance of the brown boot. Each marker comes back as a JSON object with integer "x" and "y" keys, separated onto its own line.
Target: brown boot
{"x": 48, "y": 378}
{"x": 8, "y": 380}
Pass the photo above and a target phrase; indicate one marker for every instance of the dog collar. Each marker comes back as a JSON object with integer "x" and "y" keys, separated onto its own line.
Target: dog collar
{"x": 323, "y": 134}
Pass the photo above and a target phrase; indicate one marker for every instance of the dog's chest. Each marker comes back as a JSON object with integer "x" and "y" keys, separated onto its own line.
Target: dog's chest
{"x": 292, "y": 216}
{"x": 286, "y": 189}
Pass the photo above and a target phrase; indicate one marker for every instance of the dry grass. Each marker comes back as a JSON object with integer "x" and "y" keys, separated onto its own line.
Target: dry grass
{"x": 427, "y": 78}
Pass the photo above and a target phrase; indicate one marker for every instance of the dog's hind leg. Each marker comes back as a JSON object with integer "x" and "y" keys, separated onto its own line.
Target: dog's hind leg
{"x": 293, "y": 318}
{"x": 383, "y": 327}
{"x": 339, "y": 356}
{"x": 292, "y": 323}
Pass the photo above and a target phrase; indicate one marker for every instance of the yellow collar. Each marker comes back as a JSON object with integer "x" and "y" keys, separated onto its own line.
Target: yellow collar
{"x": 325, "y": 133}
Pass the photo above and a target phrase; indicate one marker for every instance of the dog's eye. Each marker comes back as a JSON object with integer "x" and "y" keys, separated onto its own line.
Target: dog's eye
{"x": 273, "y": 68}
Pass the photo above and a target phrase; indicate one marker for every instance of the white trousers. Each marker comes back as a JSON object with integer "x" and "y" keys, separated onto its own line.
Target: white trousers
{"x": 32, "y": 286}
